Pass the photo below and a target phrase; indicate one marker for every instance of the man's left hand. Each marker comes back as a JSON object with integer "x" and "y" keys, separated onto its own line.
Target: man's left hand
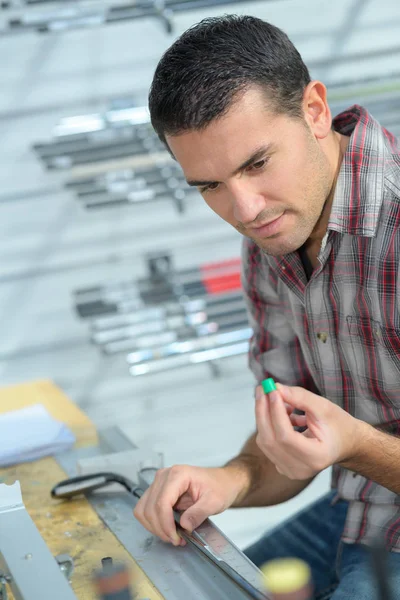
{"x": 331, "y": 436}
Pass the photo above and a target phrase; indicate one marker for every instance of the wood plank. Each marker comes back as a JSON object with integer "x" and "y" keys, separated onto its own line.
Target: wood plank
{"x": 71, "y": 527}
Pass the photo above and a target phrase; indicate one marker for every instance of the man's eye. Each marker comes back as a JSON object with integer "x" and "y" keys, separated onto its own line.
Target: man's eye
{"x": 209, "y": 188}
{"x": 259, "y": 165}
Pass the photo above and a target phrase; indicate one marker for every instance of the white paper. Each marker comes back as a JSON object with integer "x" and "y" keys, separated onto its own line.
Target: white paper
{"x": 31, "y": 433}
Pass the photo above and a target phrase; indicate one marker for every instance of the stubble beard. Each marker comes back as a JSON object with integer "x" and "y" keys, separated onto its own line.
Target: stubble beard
{"x": 306, "y": 220}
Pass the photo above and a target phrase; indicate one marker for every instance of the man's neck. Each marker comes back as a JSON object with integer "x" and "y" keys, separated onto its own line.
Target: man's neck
{"x": 313, "y": 244}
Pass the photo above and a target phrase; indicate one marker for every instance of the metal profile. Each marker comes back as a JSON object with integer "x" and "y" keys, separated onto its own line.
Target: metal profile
{"x": 25, "y": 561}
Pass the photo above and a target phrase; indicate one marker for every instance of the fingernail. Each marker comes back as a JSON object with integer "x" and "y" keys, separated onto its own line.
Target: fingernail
{"x": 273, "y": 396}
{"x": 176, "y": 540}
{"x": 259, "y": 392}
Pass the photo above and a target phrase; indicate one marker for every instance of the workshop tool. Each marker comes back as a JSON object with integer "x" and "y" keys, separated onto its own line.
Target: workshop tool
{"x": 208, "y": 282}
{"x": 119, "y": 180}
{"x": 129, "y": 186}
{"x": 203, "y": 318}
{"x": 173, "y": 189}
{"x": 111, "y": 150}
{"x": 104, "y": 131}
{"x": 160, "y": 322}
{"x": 88, "y": 483}
{"x": 26, "y": 564}
{"x": 115, "y": 133}
{"x": 154, "y": 345}
{"x": 113, "y": 581}
{"x": 185, "y": 349}
{"x": 160, "y": 332}
{"x": 203, "y": 356}
{"x": 112, "y": 138}
{"x": 115, "y": 185}
{"x": 143, "y": 314}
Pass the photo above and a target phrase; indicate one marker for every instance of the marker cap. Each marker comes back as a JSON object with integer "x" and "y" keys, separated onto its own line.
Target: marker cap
{"x": 268, "y": 385}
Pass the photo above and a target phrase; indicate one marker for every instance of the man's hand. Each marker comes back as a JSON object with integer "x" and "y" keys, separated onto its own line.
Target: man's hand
{"x": 331, "y": 436}
{"x": 199, "y": 492}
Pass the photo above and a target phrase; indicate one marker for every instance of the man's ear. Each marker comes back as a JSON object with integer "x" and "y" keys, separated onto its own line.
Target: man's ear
{"x": 316, "y": 109}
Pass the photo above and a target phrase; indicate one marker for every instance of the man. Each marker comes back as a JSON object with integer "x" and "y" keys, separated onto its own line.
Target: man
{"x": 318, "y": 204}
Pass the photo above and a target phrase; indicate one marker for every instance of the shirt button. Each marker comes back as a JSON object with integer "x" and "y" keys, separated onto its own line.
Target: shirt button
{"x": 322, "y": 336}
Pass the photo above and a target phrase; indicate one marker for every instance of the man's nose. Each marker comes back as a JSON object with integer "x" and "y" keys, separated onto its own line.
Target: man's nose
{"x": 248, "y": 203}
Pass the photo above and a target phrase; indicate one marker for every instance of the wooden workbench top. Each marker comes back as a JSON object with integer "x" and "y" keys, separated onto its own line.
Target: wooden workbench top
{"x": 70, "y": 527}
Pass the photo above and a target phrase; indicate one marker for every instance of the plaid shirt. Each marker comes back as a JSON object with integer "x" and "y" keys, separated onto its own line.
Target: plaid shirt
{"x": 338, "y": 334}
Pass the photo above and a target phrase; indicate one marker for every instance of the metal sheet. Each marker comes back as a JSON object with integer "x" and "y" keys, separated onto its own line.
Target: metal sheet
{"x": 178, "y": 573}
{"x": 24, "y": 556}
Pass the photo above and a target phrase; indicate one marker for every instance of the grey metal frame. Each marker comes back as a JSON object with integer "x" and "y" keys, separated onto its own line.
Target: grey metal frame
{"x": 26, "y": 563}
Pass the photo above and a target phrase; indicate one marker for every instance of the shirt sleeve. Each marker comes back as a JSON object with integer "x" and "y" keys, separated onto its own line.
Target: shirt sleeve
{"x": 275, "y": 350}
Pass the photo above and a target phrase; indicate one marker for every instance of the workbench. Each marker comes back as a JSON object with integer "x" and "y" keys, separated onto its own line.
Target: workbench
{"x": 70, "y": 528}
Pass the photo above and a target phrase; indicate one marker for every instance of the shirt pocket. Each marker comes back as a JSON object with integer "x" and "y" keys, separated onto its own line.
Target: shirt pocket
{"x": 376, "y": 351}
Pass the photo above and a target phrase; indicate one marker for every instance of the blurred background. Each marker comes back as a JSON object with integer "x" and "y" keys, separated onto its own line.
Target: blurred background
{"x": 116, "y": 281}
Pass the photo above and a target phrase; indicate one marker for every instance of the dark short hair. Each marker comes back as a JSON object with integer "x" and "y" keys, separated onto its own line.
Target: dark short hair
{"x": 213, "y": 62}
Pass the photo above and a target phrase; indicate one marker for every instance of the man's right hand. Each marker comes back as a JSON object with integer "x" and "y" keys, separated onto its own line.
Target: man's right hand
{"x": 198, "y": 492}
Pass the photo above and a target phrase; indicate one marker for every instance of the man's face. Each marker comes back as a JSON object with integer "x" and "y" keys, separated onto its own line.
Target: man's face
{"x": 265, "y": 174}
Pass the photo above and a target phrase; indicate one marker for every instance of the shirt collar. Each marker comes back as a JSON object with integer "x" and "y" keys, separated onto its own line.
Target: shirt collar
{"x": 360, "y": 184}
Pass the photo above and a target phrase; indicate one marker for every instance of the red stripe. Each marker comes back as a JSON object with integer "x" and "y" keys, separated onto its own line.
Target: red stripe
{"x": 364, "y": 517}
{"x": 392, "y": 531}
{"x": 335, "y": 316}
{"x": 356, "y": 161}
{"x": 222, "y": 264}
{"x": 216, "y": 285}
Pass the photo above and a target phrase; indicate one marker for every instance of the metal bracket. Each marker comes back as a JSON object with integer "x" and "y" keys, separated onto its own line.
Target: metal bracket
{"x": 26, "y": 563}
{"x": 66, "y": 565}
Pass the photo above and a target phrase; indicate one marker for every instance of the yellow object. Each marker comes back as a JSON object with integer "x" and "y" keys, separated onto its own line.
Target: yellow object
{"x": 285, "y": 575}
{"x": 71, "y": 527}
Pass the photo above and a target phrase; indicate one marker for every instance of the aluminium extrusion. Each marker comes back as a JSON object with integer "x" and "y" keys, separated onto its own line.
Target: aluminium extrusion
{"x": 25, "y": 560}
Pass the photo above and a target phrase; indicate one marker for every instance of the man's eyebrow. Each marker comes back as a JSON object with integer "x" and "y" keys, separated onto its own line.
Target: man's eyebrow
{"x": 257, "y": 155}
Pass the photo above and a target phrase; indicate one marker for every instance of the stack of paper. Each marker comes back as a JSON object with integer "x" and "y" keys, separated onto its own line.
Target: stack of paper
{"x": 31, "y": 433}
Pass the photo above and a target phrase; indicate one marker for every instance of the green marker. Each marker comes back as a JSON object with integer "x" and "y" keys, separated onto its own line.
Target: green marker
{"x": 268, "y": 385}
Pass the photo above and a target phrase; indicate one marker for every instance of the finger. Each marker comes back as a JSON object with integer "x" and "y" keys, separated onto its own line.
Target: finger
{"x": 302, "y": 399}
{"x": 298, "y": 420}
{"x": 166, "y": 522}
{"x": 289, "y": 409}
{"x": 175, "y": 488}
{"x": 296, "y": 445}
{"x": 163, "y": 519}
{"x": 152, "y": 519}
{"x": 151, "y": 515}
{"x": 184, "y": 502}
{"x": 263, "y": 419}
{"x": 308, "y": 434}
{"x": 139, "y": 511}
{"x": 196, "y": 514}
{"x": 280, "y": 420}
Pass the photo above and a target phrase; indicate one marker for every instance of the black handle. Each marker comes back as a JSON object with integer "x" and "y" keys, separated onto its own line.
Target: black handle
{"x": 87, "y": 483}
